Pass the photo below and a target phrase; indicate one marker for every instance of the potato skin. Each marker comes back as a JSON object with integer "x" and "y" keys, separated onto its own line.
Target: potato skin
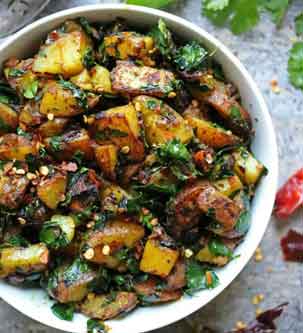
{"x": 12, "y": 190}
{"x": 64, "y": 55}
{"x": 120, "y": 126}
{"x": 127, "y": 45}
{"x": 51, "y": 190}
{"x": 33, "y": 258}
{"x": 71, "y": 142}
{"x": 53, "y": 127}
{"x": 161, "y": 122}
{"x": 218, "y": 206}
{"x": 8, "y": 119}
{"x": 229, "y": 185}
{"x": 16, "y": 147}
{"x": 157, "y": 259}
{"x": 70, "y": 283}
{"x": 211, "y": 134}
{"x": 105, "y": 307}
{"x": 107, "y": 159}
{"x": 130, "y": 79}
{"x": 59, "y": 101}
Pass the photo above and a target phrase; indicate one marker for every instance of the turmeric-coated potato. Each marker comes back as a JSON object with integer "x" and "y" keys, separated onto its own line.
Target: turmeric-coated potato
{"x": 120, "y": 126}
{"x": 158, "y": 259}
{"x": 161, "y": 122}
{"x": 63, "y": 55}
{"x": 16, "y": 147}
{"x": 212, "y": 134}
{"x": 229, "y": 185}
{"x": 33, "y": 258}
{"x": 104, "y": 307}
{"x": 107, "y": 159}
{"x": 53, "y": 127}
{"x": 12, "y": 190}
{"x": 113, "y": 197}
{"x": 59, "y": 101}
{"x": 51, "y": 190}
{"x": 129, "y": 45}
{"x": 8, "y": 119}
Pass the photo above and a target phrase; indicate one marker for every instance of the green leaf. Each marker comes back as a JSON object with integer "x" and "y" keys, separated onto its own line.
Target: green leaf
{"x": 31, "y": 90}
{"x": 190, "y": 57}
{"x": 295, "y": 65}
{"x": 216, "y": 4}
{"x": 217, "y": 248}
{"x": 7, "y": 94}
{"x": 16, "y": 72}
{"x": 55, "y": 143}
{"x": 299, "y": 24}
{"x": 88, "y": 58}
{"x": 163, "y": 39}
{"x": 277, "y": 9}
{"x": 79, "y": 94}
{"x": 96, "y": 326}
{"x": 246, "y": 16}
{"x": 196, "y": 279}
{"x": 173, "y": 150}
{"x": 63, "y": 311}
{"x": 151, "y": 3}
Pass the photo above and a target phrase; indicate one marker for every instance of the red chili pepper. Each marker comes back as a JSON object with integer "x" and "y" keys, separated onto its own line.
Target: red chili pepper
{"x": 290, "y": 196}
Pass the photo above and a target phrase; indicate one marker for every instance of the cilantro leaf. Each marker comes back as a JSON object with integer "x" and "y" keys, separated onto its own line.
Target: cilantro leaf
{"x": 151, "y": 3}
{"x": 96, "y": 326}
{"x": 299, "y": 24}
{"x": 79, "y": 94}
{"x": 277, "y": 9}
{"x": 295, "y": 65}
{"x": 163, "y": 39}
{"x": 190, "y": 57}
{"x": 31, "y": 90}
{"x": 63, "y": 311}
{"x": 218, "y": 248}
{"x": 216, "y": 4}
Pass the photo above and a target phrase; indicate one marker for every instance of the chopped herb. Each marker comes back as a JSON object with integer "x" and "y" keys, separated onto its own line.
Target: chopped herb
{"x": 16, "y": 72}
{"x": 88, "y": 59}
{"x": 17, "y": 240}
{"x": 146, "y": 219}
{"x": 163, "y": 40}
{"x": 20, "y": 132}
{"x": 235, "y": 112}
{"x": 151, "y": 104}
{"x": 96, "y": 326}
{"x": 7, "y": 94}
{"x": 217, "y": 248}
{"x": 173, "y": 150}
{"x": 195, "y": 277}
{"x": 78, "y": 157}
{"x": 190, "y": 57}
{"x": 56, "y": 143}
{"x": 31, "y": 90}
{"x": 79, "y": 94}
{"x": 107, "y": 133}
{"x": 42, "y": 152}
{"x": 63, "y": 311}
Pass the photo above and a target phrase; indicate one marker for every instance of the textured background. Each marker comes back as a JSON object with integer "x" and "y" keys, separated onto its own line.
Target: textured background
{"x": 264, "y": 52}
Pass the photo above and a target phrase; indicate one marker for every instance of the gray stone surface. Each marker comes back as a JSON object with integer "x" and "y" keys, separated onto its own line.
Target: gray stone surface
{"x": 264, "y": 52}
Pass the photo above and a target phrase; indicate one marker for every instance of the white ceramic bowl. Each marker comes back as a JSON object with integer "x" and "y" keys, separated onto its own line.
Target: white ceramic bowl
{"x": 35, "y": 303}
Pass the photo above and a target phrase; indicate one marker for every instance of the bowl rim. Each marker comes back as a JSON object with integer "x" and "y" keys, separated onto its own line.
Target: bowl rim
{"x": 64, "y": 14}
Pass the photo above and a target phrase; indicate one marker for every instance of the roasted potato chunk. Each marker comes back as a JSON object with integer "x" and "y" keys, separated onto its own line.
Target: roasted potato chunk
{"x": 8, "y": 119}
{"x": 112, "y": 198}
{"x": 66, "y": 145}
{"x": 58, "y": 101}
{"x": 204, "y": 255}
{"x": 30, "y": 115}
{"x": 53, "y": 127}
{"x": 116, "y": 234}
{"x": 129, "y": 45}
{"x": 63, "y": 55}
{"x": 229, "y": 185}
{"x": 129, "y": 79}
{"x": 96, "y": 79}
{"x": 12, "y": 190}
{"x": 51, "y": 190}
{"x": 157, "y": 259}
{"x": 247, "y": 167}
{"x": 150, "y": 292}
{"x": 16, "y": 147}
{"x": 211, "y": 134}
{"x": 107, "y": 160}
{"x": 69, "y": 283}
{"x": 161, "y": 122}
{"x": 33, "y": 258}
{"x": 120, "y": 126}
{"x": 104, "y": 307}
{"x": 219, "y": 96}
{"x": 218, "y": 206}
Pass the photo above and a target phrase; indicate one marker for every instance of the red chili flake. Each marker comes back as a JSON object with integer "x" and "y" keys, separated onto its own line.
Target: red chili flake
{"x": 292, "y": 246}
{"x": 290, "y": 196}
{"x": 264, "y": 322}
